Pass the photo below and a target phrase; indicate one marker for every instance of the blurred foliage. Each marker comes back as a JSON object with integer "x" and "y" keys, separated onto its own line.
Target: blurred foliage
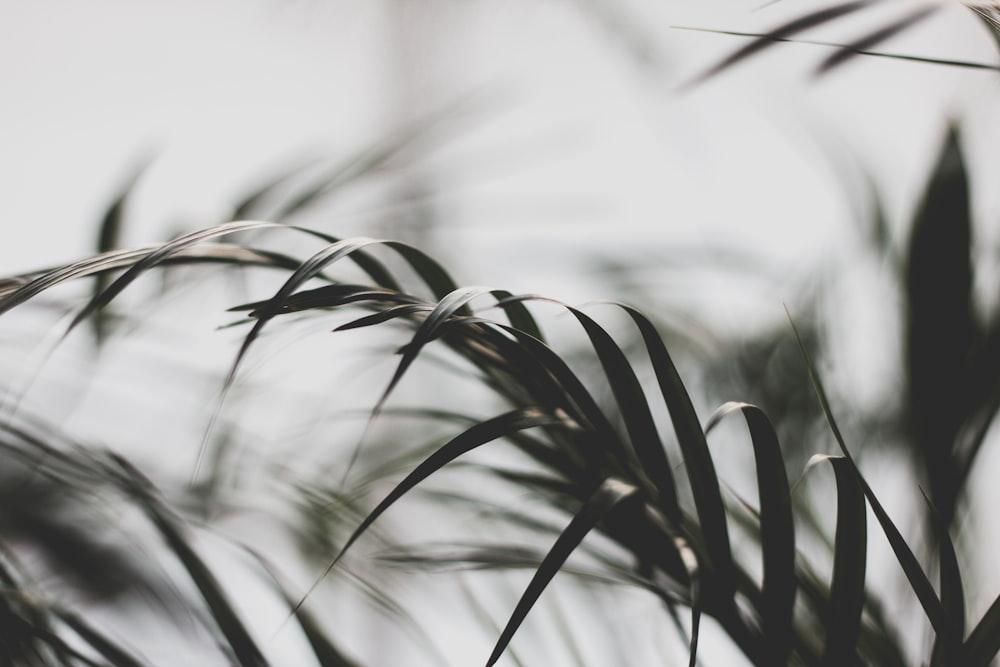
{"x": 605, "y": 473}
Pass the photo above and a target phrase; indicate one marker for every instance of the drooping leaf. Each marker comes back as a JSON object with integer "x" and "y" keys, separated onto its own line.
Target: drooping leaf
{"x": 109, "y": 238}
{"x": 947, "y": 649}
{"x": 606, "y": 498}
{"x": 915, "y": 574}
{"x": 697, "y": 459}
{"x": 477, "y": 435}
{"x": 109, "y": 649}
{"x": 983, "y": 643}
{"x": 237, "y": 636}
{"x": 327, "y": 653}
{"x": 847, "y": 585}
{"x": 947, "y": 62}
{"x": 777, "y": 530}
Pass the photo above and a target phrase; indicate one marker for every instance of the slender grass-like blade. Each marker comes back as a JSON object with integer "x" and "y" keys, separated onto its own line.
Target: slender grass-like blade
{"x": 606, "y": 498}
{"x": 634, "y": 407}
{"x": 248, "y": 206}
{"x": 988, "y": 16}
{"x": 454, "y": 303}
{"x": 108, "y": 239}
{"x": 947, "y": 62}
{"x": 327, "y": 653}
{"x": 948, "y": 649}
{"x": 479, "y": 434}
{"x": 874, "y": 38}
{"x": 915, "y": 574}
{"x": 112, "y": 651}
{"x": 393, "y": 313}
{"x": 847, "y": 585}
{"x": 157, "y": 256}
{"x": 697, "y": 459}
{"x": 777, "y": 530}
{"x": 784, "y": 31}
{"x": 517, "y": 314}
{"x": 237, "y": 636}
{"x": 328, "y": 296}
{"x": 539, "y": 367}
{"x": 983, "y": 643}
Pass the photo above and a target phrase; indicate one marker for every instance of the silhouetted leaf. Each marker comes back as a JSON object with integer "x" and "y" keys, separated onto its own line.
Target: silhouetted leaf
{"x": 874, "y": 38}
{"x": 479, "y": 434}
{"x": 783, "y": 32}
{"x": 983, "y": 643}
{"x": 939, "y": 291}
{"x": 237, "y": 636}
{"x": 697, "y": 459}
{"x": 904, "y": 555}
{"x": 777, "y": 530}
{"x": 847, "y": 585}
{"x": 610, "y": 494}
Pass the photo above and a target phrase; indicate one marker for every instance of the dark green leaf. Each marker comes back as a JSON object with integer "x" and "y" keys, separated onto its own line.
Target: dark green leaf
{"x": 237, "y": 636}
{"x": 110, "y": 650}
{"x": 606, "y": 498}
{"x": 783, "y": 32}
{"x": 904, "y": 555}
{"x": 327, "y": 653}
{"x": 847, "y": 586}
{"x": 777, "y": 530}
{"x": 479, "y": 434}
{"x": 939, "y": 290}
{"x": 947, "y": 649}
{"x": 983, "y": 643}
{"x": 697, "y": 459}
{"x": 874, "y": 38}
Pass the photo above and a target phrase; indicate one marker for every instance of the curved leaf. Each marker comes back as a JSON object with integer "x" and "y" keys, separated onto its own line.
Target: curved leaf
{"x": 904, "y": 555}
{"x": 606, "y": 498}
{"x": 847, "y": 586}
{"x": 697, "y": 459}
{"x": 479, "y": 434}
{"x": 783, "y": 32}
{"x": 777, "y": 530}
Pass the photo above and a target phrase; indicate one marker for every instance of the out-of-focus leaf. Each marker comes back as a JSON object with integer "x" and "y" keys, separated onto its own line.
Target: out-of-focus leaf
{"x": 989, "y": 16}
{"x": 940, "y": 327}
{"x": 947, "y": 62}
{"x": 112, "y": 651}
{"x": 783, "y": 32}
{"x": 904, "y": 555}
{"x": 517, "y": 314}
{"x": 479, "y": 434}
{"x": 847, "y": 586}
{"x": 247, "y": 207}
{"x": 109, "y": 238}
{"x": 238, "y": 638}
{"x": 777, "y": 530}
{"x": 874, "y": 38}
{"x": 327, "y": 653}
{"x": 983, "y": 643}
{"x": 606, "y": 498}
{"x": 947, "y": 649}
{"x": 453, "y": 303}
{"x": 328, "y": 296}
